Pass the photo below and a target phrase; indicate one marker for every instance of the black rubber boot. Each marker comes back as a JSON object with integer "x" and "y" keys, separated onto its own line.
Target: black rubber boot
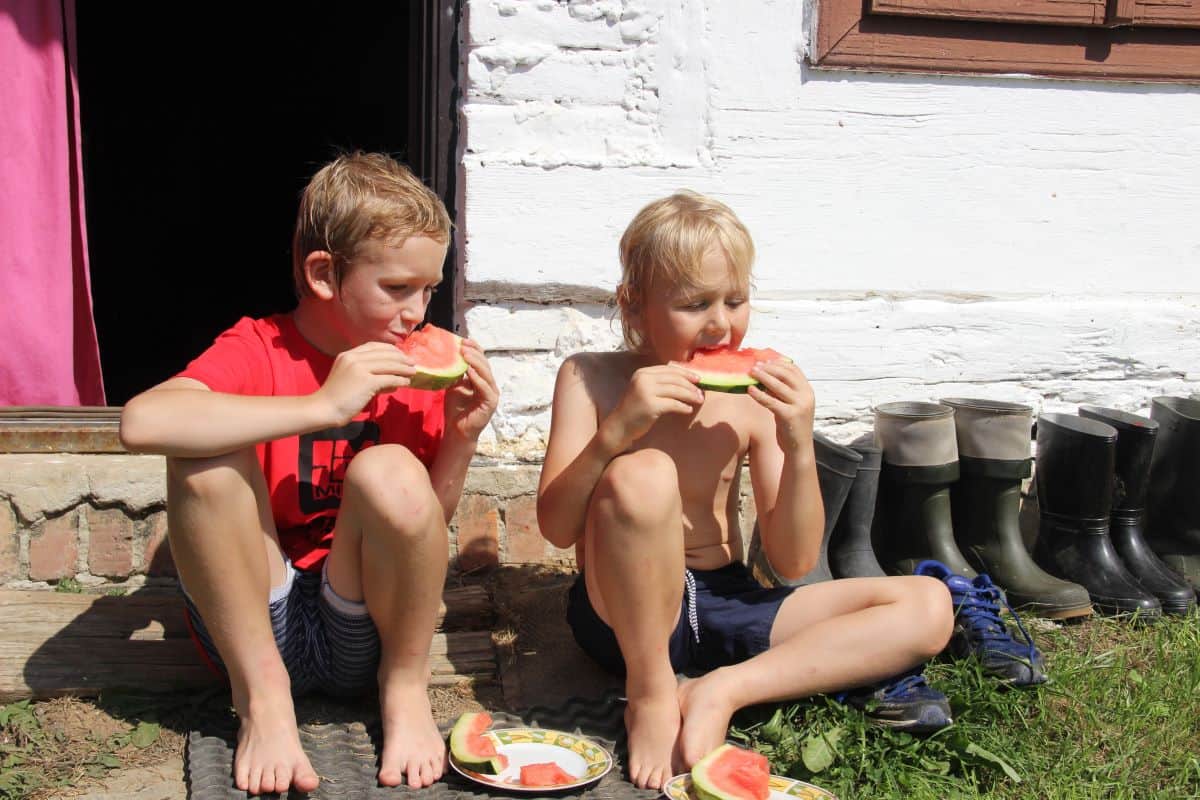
{"x": 1173, "y": 504}
{"x": 920, "y": 461}
{"x": 850, "y": 551}
{"x": 1075, "y": 460}
{"x": 1127, "y": 526}
{"x": 836, "y": 467}
{"x": 993, "y": 459}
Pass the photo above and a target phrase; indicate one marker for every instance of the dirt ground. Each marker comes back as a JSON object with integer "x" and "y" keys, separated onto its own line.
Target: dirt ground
{"x": 539, "y": 663}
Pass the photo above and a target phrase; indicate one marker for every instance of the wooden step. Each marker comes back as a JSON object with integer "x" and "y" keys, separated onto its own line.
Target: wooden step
{"x": 54, "y": 643}
{"x": 55, "y": 429}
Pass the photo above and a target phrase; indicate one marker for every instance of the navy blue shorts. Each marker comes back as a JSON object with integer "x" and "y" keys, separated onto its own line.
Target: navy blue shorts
{"x": 725, "y": 618}
{"x": 326, "y": 642}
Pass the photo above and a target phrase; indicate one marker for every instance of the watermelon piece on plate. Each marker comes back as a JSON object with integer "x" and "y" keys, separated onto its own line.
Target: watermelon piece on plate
{"x": 437, "y": 355}
{"x": 545, "y": 774}
{"x": 724, "y": 369}
{"x": 731, "y": 773}
{"x": 471, "y": 749}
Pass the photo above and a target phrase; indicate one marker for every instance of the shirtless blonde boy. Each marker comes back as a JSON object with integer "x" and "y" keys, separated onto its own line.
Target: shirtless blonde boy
{"x": 641, "y": 476}
{"x": 308, "y": 487}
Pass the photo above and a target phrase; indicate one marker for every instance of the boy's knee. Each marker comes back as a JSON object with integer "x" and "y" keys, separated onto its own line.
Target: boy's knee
{"x": 638, "y": 483}
{"x": 210, "y": 478}
{"x": 932, "y": 604}
{"x": 394, "y": 484}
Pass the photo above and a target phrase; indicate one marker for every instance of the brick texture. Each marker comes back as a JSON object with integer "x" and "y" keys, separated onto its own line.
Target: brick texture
{"x": 523, "y": 539}
{"x": 110, "y": 550}
{"x": 478, "y": 533}
{"x": 10, "y": 545}
{"x": 156, "y": 557}
{"x": 54, "y": 549}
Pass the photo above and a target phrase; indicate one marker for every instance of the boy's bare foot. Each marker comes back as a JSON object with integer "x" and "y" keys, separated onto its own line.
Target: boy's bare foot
{"x": 706, "y": 707}
{"x": 412, "y": 745}
{"x": 269, "y": 757}
{"x": 653, "y": 726}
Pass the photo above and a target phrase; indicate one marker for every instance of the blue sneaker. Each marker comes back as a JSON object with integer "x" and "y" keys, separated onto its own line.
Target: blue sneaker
{"x": 980, "y": 632}
{"x": 905, "y": 703}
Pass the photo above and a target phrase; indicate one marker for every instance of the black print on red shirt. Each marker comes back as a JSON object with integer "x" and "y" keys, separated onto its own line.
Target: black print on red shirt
{"x": 324, "y": 457}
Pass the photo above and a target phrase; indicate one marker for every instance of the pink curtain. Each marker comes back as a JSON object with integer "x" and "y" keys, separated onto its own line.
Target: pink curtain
{"x": 48, "y": 350}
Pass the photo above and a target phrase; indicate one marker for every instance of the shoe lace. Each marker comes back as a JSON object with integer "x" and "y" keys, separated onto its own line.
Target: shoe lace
{"x": 906, "y": 685}
{"x": 979, "y": 607}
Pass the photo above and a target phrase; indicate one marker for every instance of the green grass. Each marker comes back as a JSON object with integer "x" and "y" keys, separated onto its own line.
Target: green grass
{"x": 1120, "y": 719}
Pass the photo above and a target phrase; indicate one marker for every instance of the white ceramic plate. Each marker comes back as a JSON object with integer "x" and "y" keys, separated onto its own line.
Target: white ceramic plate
{"x": 578, "y": 755}
{"x": 680, "y": 788}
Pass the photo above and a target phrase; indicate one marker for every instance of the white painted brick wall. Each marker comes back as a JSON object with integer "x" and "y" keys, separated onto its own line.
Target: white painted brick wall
{"x": 919, "y": 237}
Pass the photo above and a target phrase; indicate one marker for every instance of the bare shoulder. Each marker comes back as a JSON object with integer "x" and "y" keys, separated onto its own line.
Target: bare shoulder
{"x": 593, "y": 366}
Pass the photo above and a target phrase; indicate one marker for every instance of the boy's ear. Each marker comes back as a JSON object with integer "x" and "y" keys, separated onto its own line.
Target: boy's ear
{"x": 318, "y": 273}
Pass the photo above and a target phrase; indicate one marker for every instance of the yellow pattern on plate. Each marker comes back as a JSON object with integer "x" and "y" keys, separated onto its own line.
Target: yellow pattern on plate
{"x": 680, "y": 788}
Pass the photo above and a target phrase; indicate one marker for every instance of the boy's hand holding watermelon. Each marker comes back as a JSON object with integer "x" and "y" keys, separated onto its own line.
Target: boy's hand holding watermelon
{"x": 786, "y": 393}
{"x": 652, "y": 392}
{"x": 470, "y": 403}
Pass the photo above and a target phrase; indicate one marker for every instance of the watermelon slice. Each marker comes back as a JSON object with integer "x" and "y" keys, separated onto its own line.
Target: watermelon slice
{"x": 545, "y": 774}
{"x": 731, "y": 773}
{"x": 725, "y": 369}
{"x": 471, "y": 749}
{"x": 437, "y": 355}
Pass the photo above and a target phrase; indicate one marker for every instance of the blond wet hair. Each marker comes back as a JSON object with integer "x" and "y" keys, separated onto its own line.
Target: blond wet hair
{"x": 358, "y": 197}
{"x": 665, "y": 244}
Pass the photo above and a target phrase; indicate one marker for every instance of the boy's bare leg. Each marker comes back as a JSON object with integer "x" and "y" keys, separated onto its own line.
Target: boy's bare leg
{"x": 225, "y": 548}
{"x": 391, "y": 549}
{"x": 633, "y": 566}
{"x": 827, "y": 637}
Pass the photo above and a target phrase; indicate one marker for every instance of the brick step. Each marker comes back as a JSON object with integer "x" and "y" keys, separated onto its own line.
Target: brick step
{"x": 55, "y": 644}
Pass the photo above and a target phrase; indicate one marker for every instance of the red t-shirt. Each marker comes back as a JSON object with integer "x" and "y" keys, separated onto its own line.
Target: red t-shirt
{"x": 304, "y": 473}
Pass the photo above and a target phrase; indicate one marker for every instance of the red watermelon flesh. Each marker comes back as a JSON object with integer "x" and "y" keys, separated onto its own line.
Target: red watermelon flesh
{"x": 437, "y": 354}
{"x": 546, "y": 774}
{"x": 471, "y": 749}
{"x": 731, "y": 773}
{"x": 724, "y": 369}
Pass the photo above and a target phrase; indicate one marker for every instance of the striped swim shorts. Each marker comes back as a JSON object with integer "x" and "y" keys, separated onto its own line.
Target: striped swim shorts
{"x": 327, "y": 642}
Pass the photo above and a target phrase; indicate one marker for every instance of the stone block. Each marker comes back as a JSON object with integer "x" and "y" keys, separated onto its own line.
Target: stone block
{"x": 478, "y": 533}
{"x": 110, "y": 542}
{"x": 10, "y": 545}
{"x": 156, "y": 557}
{"x": 523, "y": 542}
{"x": 54, "y": 548}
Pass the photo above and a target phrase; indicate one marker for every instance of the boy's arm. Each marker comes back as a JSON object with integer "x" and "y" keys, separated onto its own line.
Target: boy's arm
{"x": 576, "y": 456}
{"x": 581, "y": 447}
{"x": 183, "y": 418}
{"x": 783, "y": 471}
{"x": 470, "y": 404}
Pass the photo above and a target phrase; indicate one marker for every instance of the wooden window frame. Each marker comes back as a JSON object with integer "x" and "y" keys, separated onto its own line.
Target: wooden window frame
{"x": 849, "y": 37}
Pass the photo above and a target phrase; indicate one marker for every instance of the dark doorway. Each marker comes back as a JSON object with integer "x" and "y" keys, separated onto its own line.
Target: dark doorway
{"x": 202, "y": 123}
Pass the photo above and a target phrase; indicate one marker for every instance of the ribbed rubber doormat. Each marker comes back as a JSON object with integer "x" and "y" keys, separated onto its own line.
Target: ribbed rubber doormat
{"x": 344, "y": 755}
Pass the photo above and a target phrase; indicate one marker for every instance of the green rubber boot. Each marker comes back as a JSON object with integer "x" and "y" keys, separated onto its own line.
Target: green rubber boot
{"x": 993, "y": 459}
{"x": 913, "y": 521}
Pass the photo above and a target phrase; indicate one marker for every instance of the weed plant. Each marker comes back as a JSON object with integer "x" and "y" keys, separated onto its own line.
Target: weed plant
{"x": 1119, "y": 719}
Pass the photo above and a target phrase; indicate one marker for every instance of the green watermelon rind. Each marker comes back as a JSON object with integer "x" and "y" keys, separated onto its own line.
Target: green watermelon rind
{"x": 492, "y": 765}
{"x": 725, "y": 382}
{"x": 438, "y": 379}
{"x": 701, "y": 785}
{"x": 435, "y": 379}
{"x": 728, "y": 382}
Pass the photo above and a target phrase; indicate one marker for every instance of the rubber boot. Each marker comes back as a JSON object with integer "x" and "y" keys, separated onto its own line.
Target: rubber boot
{"x": 850, "y": 551}
{"x": 836, "y": 467}
{"x": 1075, "y": 460}
{"x": 920, "y": 461}
{"x": 1173, "y": 503}
{"x": 993, "y": 459}
{"x": 1127, "y": 525}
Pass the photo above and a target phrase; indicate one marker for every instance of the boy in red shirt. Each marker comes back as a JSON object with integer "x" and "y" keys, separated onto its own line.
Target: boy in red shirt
{"x": 309, "y": 487}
